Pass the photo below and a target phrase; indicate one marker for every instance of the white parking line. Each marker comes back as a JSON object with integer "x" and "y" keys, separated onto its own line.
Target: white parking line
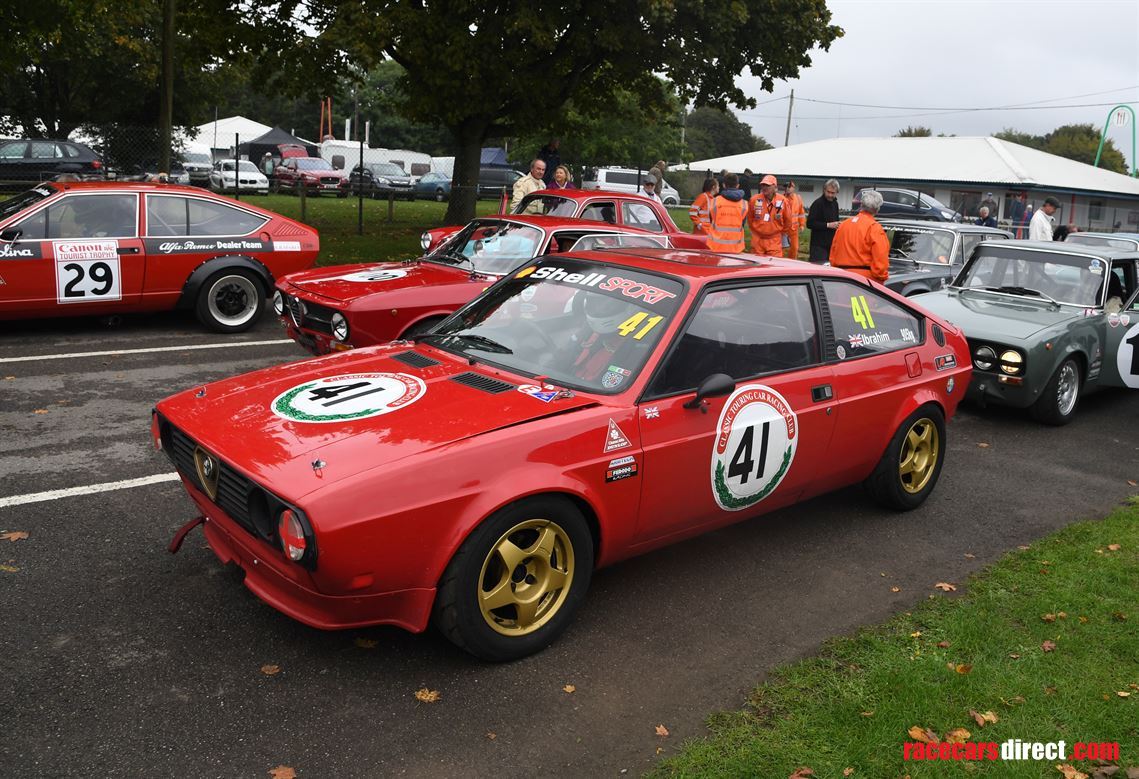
{"x": 227, "y": 345}
{"x": 90, "y": 489}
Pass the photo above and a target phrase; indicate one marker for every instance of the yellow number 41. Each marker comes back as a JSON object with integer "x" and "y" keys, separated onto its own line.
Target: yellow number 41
{"x": 633, "y": 322}
{"x": 861, "y": 311}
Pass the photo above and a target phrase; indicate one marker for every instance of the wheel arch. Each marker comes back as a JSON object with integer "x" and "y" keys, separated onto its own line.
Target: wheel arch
{"x": 198, "y": 277}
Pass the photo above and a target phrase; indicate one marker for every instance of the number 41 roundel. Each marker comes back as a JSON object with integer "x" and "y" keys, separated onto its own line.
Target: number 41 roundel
{"x": 756, "y": 439}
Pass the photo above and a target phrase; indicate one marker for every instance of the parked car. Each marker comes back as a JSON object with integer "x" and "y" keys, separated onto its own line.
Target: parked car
{"x": 925, "y": 256}
{"x": 1047, "y": 322}
{"x": 1127, "y": 242}
{"x": 478, "y": 476}
{"x": 312, "y": 174}
{"x": 27, "y": 161}
{"x": 198, "y": 166}
{"x": 433, "y": 186}
{"x": 626, "y": 180}
{"x": 117, "y": 247}
{"x": 380, "y": 180}
{"x": 908, "y": 204}
{"x": 346, "y": 306}
{"x": 621, "y": 209}
{"x": 494, "y": 181}
{"x": 246, "y": 180}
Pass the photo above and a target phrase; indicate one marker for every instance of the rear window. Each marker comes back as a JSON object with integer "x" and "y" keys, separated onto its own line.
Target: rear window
{"x": 209, "y": 218}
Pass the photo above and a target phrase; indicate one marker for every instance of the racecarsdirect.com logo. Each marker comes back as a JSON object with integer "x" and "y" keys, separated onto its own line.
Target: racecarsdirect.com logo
{"x": 1010, "y": 750}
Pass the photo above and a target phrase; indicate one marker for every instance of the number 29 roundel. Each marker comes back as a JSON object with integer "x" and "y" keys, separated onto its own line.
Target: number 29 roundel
{"x": 756, "y": 439}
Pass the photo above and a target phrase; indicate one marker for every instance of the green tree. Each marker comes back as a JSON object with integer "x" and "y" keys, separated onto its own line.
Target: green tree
{"x": 494, "y": 70}
{"x": 714, "y": 132}
{"x": 914, "y": 132}
{"x": 1074, "y": 141}
{"x": 1024, "y": 139}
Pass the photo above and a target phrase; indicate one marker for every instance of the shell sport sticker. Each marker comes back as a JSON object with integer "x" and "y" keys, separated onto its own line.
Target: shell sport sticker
{"x": 756, "y": 440}
{"x": 372, "y": 275}
{"x": 614, "y": 438}
{"x": 1127, "y": 357}
{"x": 348, "y": 397}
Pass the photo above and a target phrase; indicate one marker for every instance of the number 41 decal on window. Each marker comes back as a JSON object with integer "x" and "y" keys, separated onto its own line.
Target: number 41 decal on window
{"x": 633, "y": 322}
{"x": 861, "y": 311}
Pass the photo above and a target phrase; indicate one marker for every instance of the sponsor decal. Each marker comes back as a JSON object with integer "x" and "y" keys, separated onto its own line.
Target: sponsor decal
{"x": 630, "y": 288}
{"x": 2, "y": 282}
{"x": 840, "y": 350}
{"x": 378, "y": 274}
{"x": 1113, "y": 320}
{"x": 286, "y": 246}
{"x": 1127, "y": 357}
{"x": 524, "y": 272}
{"x": 1125, "y": 319}
{"x": 614, "y": 438}
{"x": 528, "y": 293}
{"x": 618, "y": 369}
{"x": 87, "y": 271}
{"x": 944, "y": 362}
{"x": 949, "y": 385}
{"x": 348, "y": 397}
{"x": 756, "y": 439}
{"x": 652, "y": 412}
{"x": 190, "y": 245}
{"x": 621, "y": 468}
{"x": 864, "y": 340}
{"x": 908, "y": 335}
{"x": 78, "y": 251}
{"x": 611, "y": 380}
{"x": 1096, "y": 267}
{"x": 26, "y": 251}
{"x": 534, "y": 391}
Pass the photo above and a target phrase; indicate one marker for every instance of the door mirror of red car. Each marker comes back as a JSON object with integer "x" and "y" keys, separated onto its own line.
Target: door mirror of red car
{"x": 11, "y": 235}
{"x": 715, "y": 386}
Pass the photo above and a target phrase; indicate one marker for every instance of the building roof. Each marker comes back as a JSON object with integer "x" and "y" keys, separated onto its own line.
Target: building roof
{"x": 965, "y": 160}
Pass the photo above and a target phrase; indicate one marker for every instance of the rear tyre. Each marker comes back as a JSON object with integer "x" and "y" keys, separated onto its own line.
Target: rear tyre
{"x": 911, "y": 465}
{"x": 1057, "y": 403}
{"x": 230, "y": 301}
{"x": 517, "y": 581}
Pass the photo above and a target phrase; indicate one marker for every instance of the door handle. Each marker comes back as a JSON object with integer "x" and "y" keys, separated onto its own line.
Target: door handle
{"x": 821, "y": 393}
{"x": 128, "y": 250}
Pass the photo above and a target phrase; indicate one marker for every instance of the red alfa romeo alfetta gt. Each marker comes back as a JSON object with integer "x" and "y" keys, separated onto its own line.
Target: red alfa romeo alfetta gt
{"x": 587, "y": 408}
{"x": 109, "y": 248}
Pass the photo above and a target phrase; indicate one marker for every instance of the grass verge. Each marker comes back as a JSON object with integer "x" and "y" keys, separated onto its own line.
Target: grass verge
{"x": 1046, "y": 640}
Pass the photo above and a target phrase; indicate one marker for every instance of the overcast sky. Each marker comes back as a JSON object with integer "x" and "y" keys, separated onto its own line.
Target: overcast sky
{"x": 963, "y": 54}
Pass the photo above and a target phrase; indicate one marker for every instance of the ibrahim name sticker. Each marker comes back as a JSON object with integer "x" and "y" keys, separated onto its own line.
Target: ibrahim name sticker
{"x": 353, "y": 396}
{"x": 755, "y": 444}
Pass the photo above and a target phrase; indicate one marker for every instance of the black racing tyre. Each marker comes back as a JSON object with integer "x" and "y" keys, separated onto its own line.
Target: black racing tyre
{"x": 230, "y": 301}
{"x": 911, "y": 464}
{"x": 516, "y": 582}
{"x": 1057, "y": 403}
{"x": 421, "y": 326}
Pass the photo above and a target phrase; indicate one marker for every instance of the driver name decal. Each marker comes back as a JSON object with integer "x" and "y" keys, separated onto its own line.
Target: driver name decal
{"x": 756, "y": 439}
{"x": 348, "y": 397}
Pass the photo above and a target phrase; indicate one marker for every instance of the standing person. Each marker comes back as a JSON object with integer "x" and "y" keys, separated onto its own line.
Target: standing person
{"x": 769, "y": 217}
{"x": 1040, "y": 228}
{"x": 985, "y": 219}
{"x": 657, "y": 172}
{"x": 726, "y": 218}
{"x": 531, "y": 182}
{"x": 722, "y": 179}
{"x": 822, "y": 220}
{"x": 798, "y": 218}
{"x": 562, "y": 179}
{"x": 860, "y": 244}
{"x": 990, "y": 204}
{"x": 745, "y": 183}
{"x": 701, "y": 206}
{"x": 649, "y": 189}
{"x": 549, "y": 155}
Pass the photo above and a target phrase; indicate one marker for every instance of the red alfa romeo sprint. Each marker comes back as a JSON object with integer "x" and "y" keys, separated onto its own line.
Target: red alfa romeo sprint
{"x": 584, "y": 409}
{"x": 109, "y": 248}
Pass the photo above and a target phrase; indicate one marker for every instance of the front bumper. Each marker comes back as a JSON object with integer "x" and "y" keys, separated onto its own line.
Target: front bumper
{"x": 315, "y": 343}
{"x": 985, "y": 388}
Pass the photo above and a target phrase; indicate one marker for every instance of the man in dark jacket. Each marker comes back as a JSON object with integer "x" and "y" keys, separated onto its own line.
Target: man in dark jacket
{"x": 822, "y": 221}
{"x": 549, "y": 155}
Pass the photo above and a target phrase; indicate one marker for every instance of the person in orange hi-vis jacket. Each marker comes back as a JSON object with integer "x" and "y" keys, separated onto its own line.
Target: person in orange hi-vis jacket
{"x": 791, "y": 244}
{"x": 860, "y": 244}
{"x": 727, "y": 215}
{"x": 699, "y": 212}
{"x": 769, "y": 218}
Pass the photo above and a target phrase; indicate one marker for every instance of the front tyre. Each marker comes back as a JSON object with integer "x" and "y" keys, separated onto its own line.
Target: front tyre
{"x": 909, "y": 469}
{"x": 1057, "y": 403}
{"x": 517, "y": 581}
{"x": 230, "y": 301}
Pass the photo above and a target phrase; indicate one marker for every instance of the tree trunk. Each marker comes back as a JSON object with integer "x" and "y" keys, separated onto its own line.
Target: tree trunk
{"x": 469, "y": 137}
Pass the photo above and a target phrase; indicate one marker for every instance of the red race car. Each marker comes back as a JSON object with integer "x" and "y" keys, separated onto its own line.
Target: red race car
{"x": 592, "y": 205}
{"x": 337, "y": 308}
{"x": 110, "y": 248}
{"x": 478, "y": 475}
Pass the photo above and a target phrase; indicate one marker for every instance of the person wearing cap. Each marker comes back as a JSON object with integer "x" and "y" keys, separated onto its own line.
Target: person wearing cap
{"x": 649, "y": 189}
{"x": 860, "y": 244}
{"x": 798, "y": 219}
{"x": 990, "y": 204}
{"x": 769, "y": 217}
{"x": 726, "y": 217}
{"x": 699, "y": 212}
{"x": 1040, "y": 228}
{"x": 657, "y": 172}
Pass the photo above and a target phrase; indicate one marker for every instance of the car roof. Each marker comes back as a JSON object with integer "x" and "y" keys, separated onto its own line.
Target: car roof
{"x": 1128, "y": 236}
{"x": 560, "y": 222}
{"x": 700, "y": 266}
{"x": 586, "y": 194}
{"x": 1062, "y": 247}
{"x": 143, "y": 186}
{"x": 956, "y": 227}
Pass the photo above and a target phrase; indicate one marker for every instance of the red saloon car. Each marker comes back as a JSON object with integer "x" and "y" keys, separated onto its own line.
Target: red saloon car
{"x": 109, "y": 248}
{"x": 337, "y": 308}
{"x": 476, "y": 476}
{"x": 622, "y": 209}
{"x": 314, "y": 175}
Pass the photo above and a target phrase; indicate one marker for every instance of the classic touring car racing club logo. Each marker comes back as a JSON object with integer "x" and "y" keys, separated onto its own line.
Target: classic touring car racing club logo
{"x": 756, "y": 440}
{"x": 348, "y": 397}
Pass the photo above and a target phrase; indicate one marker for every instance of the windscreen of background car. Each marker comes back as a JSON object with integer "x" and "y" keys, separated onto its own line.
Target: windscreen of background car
{"x": 549, "y": 205}
{"x": 21, "y": 201}
{"x": 1072, "y": 279}
{"x": 490, "y": 246}
{"x": 310, "y": 163}
{"x": 914, "y": 243}
{"x": 584, "y": 325}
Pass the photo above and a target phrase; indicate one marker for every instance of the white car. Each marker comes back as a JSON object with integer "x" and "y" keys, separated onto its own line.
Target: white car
{"x": 626, "y": 180}
{"x": 250, "y": 179}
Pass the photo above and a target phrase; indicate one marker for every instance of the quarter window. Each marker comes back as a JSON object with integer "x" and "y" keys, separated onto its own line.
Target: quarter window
{"x": 600, "y": 212}
{"x": 866, "y": 323}
{"x": 165, "y": 215}
{"x": 968, "y": 241}
{"x": 640, "y": 215}
{"x": 209, "y": 218}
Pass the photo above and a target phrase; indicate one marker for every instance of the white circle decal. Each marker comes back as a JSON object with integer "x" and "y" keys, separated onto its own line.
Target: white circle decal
{"x": 354, "y": 396}
{"x": 756, "y": 439}
{"x": 1127, "y": 356}
{"x": 374, "y": 275}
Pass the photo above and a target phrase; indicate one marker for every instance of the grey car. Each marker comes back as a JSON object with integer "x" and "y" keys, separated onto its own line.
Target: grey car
{"x": 925, "y": 256}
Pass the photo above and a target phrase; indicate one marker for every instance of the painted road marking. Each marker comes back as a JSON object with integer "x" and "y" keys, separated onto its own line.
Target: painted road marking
{"x": 146, "y": 351}
{"x": 90, "y": 489}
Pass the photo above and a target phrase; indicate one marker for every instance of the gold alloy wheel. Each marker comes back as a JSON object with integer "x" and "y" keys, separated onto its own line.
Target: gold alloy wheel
{"x": 526, "y": 577}
{"x": 918, "y": 459}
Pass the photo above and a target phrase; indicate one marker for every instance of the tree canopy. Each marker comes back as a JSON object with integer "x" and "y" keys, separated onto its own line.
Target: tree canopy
{"x": 1075, "y": 141}
{"x": 714, "y": 132}
{"x": 914, "y": 132}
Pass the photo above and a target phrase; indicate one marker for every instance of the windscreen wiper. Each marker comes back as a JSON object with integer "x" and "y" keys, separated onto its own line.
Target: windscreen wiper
{"x": 1013, "y": 290}
{"x": 480, "y": 342}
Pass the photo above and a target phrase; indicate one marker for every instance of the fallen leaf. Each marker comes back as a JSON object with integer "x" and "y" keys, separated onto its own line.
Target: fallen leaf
{"x": 847, "y": 771}
{"x": 915, "y": 634}
{"x": 14, "y": 535}
{"x": 282, "y": 772}
{"x": 1130, "y": 482}
{"x": 9, "y": 378}
{"x": 9, "y": 568}
{"x": 961, "y": 668}
{"x": 424, "y": 695}
{"x": 1049, "y": 690}
{"x": 924, "y": 735}
{"x": 40, "y": 411}
{"x": 270, "y": 670}
{"x": 1024, "y": 547}
{"x": 1013, "y": 701}
{"x": 981, "y": 719}
{"x": 491, "y": 736}
{"x": 1083, "y": 620}
{"x": 1105, "y": 771}
{"x": 1070, "y": 773}
{"x": 942, "y": 644}
{"x": 662, "y": 731}
{"x": 969, "y": 556}
{"x": 659, "y": 750}
{"x": 1048, "y": 617}
{"x": 1048, "y": 646}
{"x": 568, "y": 688}
{"x": 1123, "y": 694}
{"x": 957, "y": 736}
{"x": 895, "y": 589}
{"x": 982, "y": 445}
{"x": 1133, "y": 773}
{"x": 1119, "y": 616}
{"x": 1044, "y": 570}
{"x": 366, "y": 643}
{"x": 1133, "y": 686}
{"x": 867, "y": 713}
{"x": 1061, "y": 615}
{"x": 945, "y": 587}
{"x": 801, "y": 773}
{"x": 1114, "y": 547}
{"x": 1014, "y": 656}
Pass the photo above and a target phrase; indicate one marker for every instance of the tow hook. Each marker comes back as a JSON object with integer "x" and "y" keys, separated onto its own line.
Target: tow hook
{"x": 180, "y": 536}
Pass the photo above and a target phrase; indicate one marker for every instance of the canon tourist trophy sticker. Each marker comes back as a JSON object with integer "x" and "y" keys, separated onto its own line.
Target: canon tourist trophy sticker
{"x": 355, "y": 396}
{"x": 755, "y": 444}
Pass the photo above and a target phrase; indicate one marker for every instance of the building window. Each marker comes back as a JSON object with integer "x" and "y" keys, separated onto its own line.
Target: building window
{"x": 1095, "y": 210}
{"x": 965, "y": 202}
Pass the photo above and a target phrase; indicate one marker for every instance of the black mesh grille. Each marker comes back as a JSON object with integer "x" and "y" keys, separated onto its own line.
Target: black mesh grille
{"x": 233, "y": 488}
{"x": 415, "y": 359}
{"x": 309, "y": 315}
{"x": 484, "y": 383}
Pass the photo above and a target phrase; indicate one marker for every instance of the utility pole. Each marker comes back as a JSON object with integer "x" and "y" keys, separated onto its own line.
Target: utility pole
{"x": 790, "y": 105}
{"x": 166, "y": 110}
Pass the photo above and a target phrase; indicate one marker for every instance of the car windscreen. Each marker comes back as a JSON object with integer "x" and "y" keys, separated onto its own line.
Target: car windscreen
{"x": 387, "y": 169}
{"x": 1124, "y": 244}
{"x": 921, "y": 245}
{"x": 1064, "y": 278}
{"x": 21, "y": 201}
{"x": 491, "y": 246}
{"x": 196, "y": 157}
{"x": 581, "y": 324}
{"x": 312, "y": 163}
{"x": 546, "y": 205}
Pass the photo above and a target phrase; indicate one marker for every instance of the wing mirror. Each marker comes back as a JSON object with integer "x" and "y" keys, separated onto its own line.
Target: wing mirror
{"x": 715, "y": 386}
{"x": 11, "y": 235}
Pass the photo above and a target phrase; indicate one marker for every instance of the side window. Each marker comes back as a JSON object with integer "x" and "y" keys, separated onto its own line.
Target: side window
{"x": 68, "y": 150}
{"x": 968, "y": 242}
{"x": 600, "y": 212}
{"x": 640, "y": 215}
{"x": 617, "y": 177}
{"x": 44, "y": 150}
{"x": 209, "y": 218}
{"x": 13, "y": 151}
{"x": 904, "y": 199}
{"x": 34, "y": 228}
{"x": 165, "y": 215}
{"x": 867, "y": 323}
{"x": 743, "y": 332}
{"x": 93, "y": 216}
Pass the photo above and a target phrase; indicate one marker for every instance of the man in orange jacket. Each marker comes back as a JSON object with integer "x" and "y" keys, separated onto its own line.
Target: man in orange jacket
{"x": 699, "y": 213}
{"x": 769, "y": 217}
{"x": 860, "y": 244}
{"x": 799, "y": 219}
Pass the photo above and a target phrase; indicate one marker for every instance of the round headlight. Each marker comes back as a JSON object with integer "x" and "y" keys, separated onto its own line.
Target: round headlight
{"x": 1011, "y": 362}
{"x": 425, "y": 241}
{"x": 339, "y": 327}
{"x": 278, "y": 303}
{"x": 984, "y": 358}
{"x": 292, "y": 535}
